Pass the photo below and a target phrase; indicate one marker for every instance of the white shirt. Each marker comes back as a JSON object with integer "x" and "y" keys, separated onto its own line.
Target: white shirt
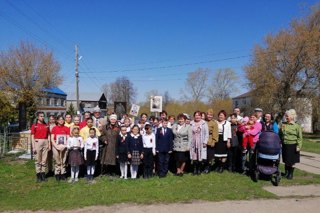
{"x": 149, "y": 141}
{"x": 91, "y": 144}
{"x": 75, "y": 142}
{"x": 225, "y": 129}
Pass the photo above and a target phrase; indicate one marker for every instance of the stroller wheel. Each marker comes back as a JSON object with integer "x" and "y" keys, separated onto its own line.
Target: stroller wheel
{"x": 276, "y": 180}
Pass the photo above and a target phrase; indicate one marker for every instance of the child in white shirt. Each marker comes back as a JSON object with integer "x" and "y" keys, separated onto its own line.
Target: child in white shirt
{"x": 149, "y": 150}
{"x": 91, "y": 151}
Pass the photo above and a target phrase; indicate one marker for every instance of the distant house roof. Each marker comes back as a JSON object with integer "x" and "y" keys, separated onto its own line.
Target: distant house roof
{"x": 55, "y": 90}
{"x": 244, "y": 95}
{"x": 89, "y": 96}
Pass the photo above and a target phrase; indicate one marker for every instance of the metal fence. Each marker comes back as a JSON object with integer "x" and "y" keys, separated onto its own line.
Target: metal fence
{"x": 5, "y": 145}
{"x": 12, "y": 140}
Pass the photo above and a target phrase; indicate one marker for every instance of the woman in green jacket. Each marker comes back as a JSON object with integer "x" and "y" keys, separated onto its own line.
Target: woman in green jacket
{"x": 291, "y": 136}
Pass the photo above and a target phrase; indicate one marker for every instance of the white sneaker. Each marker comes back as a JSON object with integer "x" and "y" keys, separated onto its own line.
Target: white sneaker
{"x": 76, "y": 179}
{"x": 121, "y": 177}
{"x": 70, "y": 180}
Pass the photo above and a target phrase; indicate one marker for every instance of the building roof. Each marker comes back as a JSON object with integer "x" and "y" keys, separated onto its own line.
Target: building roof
{"x": 55, "y": 90}
{"x": 85, "y": 96}
{"x": 244, "y": 95}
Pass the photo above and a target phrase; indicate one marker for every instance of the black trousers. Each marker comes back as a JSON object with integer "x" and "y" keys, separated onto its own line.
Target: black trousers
{"x": 147, "y": 162}
{"x": 234, "y": 160}
{"x": 163, "y": 163}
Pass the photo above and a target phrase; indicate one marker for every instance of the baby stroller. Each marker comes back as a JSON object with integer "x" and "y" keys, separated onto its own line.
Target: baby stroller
{"x": 268, "y": 150}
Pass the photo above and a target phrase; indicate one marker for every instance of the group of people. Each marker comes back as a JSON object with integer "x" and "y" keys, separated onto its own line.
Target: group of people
{"x": 153, "y": 146}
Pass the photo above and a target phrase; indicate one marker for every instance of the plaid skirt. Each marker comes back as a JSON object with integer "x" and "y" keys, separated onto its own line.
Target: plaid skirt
{"x": 135, "y": 158}
{"x": 75, "y": 157}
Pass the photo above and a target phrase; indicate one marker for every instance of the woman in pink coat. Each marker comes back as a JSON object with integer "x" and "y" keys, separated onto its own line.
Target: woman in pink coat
{"x": 254, "y": 132}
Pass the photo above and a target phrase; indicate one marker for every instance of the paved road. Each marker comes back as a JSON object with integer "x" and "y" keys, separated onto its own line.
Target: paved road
{"x": 310, "y": 205}
{"x": 309, "y": 162}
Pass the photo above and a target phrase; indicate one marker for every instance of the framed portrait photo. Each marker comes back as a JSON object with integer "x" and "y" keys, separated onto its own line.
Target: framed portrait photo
{"x": 134, "y": 110}
{"x": 156, "y": 104}
{"x": 61, "y": 139}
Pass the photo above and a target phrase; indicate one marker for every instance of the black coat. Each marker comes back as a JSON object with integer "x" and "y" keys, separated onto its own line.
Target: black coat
{"x": 135, "y": 144}
{"x": 122, "y": 146}
{"x": 164, "y": 143}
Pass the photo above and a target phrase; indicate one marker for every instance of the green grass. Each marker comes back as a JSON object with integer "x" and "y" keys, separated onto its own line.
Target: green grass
{"x": 18, "y": 190}
{"x": 311, "y": 143}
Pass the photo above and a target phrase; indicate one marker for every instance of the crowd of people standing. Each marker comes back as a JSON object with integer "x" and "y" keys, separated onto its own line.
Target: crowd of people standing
{"x": 153, "y": 146}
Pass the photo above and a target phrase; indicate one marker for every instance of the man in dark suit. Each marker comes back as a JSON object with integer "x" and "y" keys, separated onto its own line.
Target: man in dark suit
{"x": 164, "y": 146}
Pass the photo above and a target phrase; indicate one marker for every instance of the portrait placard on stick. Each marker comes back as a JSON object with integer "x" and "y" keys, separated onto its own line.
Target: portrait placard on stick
{"x": 134, "y": 111}
{"x": 156, "y": 104}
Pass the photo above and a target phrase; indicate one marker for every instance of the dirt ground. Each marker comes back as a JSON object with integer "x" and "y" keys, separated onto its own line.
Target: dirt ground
{"x": 292, "y": 205}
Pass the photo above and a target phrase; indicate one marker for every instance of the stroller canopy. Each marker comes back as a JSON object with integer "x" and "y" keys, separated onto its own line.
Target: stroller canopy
{"x": 269, "y": 143}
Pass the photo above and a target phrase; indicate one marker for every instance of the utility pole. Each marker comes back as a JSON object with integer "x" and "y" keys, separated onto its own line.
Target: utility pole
{"x": 77, "y": 79}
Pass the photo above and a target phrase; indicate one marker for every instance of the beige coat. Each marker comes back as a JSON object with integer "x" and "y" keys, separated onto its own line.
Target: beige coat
{"x": 213, "y": 132}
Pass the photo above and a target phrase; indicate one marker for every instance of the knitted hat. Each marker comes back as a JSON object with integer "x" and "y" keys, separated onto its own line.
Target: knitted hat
{"x": 113, "y": 116}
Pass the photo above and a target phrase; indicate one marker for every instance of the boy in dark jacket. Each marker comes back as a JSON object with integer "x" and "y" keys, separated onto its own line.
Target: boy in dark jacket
{"x": 164, "y": 146}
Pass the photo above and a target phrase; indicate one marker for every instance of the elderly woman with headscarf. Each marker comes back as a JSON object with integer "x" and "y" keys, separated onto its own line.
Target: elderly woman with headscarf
{"x": 109, "y": 138}
{"x": 291, "y": 137}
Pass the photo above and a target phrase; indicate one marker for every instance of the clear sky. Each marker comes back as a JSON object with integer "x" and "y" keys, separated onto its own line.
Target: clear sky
{"x": 155, "y": 43}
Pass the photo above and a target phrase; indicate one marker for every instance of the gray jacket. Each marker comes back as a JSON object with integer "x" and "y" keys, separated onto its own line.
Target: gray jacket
{"x": 182, "y": 138}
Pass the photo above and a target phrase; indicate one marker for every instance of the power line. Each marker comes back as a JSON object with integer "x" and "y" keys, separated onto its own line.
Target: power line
{"x": 172, "y": 66}
{"x": 38, "y": 25}
{"x": 46, "y": 21}
{"x": 168, "y": 60}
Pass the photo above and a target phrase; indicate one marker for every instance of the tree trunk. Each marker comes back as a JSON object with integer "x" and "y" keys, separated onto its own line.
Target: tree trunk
{"x": 22, "y": 116}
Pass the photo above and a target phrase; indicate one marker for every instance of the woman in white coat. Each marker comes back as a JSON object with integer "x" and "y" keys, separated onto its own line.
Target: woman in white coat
{"x": 223, "y": 143}
{"x": 200, "y": 136}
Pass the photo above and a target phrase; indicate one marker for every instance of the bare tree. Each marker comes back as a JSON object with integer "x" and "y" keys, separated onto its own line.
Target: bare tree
{"x": 122, "y": 89}
{"x": 150, "y": 93}
{"x": 286, "y": 68}
{"x": 25, "y": 71}
{"x": 222, "y": 85}
{"x": 106, "y": 89}
{"x": 166, "y": 99}
{"x": 196, "y": 85}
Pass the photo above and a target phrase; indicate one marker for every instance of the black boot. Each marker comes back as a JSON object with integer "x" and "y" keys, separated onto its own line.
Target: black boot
{"x": 199, "y": 169}
{"x": 195, "y": 168}
{"x": 207, "y": 169}
{"x": 38, "y": 177}
{"x": 221, "y": 168}
{"x": 63, "y": 177}
{"x": 57, "y": 177}
{"x": 217, "y": 166}
{"x": 43, "y": 176}
{"x": 285, "y": 174}
{"x": 290, "y": 173}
